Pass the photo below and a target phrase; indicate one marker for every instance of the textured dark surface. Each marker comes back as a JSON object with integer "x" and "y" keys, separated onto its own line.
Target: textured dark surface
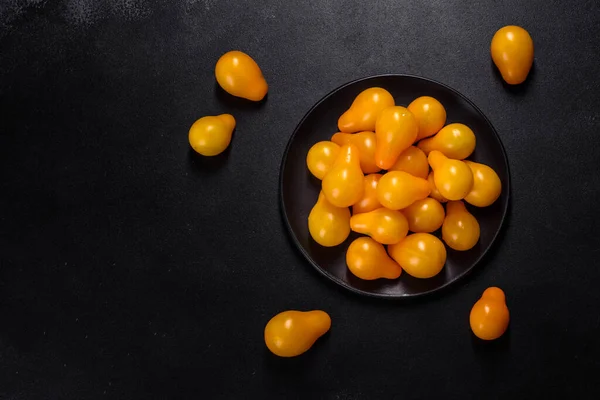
{"x": 129, "y": 268}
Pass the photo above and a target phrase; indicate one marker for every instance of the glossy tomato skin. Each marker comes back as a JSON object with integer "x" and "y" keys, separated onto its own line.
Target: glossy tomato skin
{"x": 453, "y": 178}
{"x": 365, "y": 141}
{"x": 487, "y": 186}
{"x": 369, "y": 200}
{"x": 239, "y": 75}
{"x": 425, "y": 216}
{"x": 328, "y": 225}
{"x": 489, "y": 317}
{"x": 460, "y": 230}
{"x": 364, "y": 110}
{"x": 435, "y": 193}
{"x": 320, "y": 158}
{"x": 420, "y": 255}
{"x": 211, "y": 135}
{"x": 430, "y": 115}
{"x": 395, "y": 130}
{"x": 398, "y": 189}
{"x": 512, "y": 52}
{"x": 456, "y": 141}
{"x": 383, "y": 225}
{"x": 343, "y": 185}
{"x": 291, "y": 333}
{"x": 367, "y": 260}
{"x": 412, "y": 160}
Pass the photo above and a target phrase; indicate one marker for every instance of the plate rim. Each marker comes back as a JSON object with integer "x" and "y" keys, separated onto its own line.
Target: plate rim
{"x": 341, "y": 282}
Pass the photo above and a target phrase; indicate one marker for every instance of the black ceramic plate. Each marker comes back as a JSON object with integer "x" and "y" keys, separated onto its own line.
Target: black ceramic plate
{"x": 299, "y": 189}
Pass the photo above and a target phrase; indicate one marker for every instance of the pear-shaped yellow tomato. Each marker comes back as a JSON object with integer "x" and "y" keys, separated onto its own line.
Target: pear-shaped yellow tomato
{"x": 512, "y": 52}
{"x": 460, "y": 230}
{"x": 343, "y": 185}
{"x": 211, "y": 135}
{"x": 425, "y": 215}
{"x": 421, "y": 255}
{"x": 456, "y": 141}
{"x": 368, "y": 260}
{"x": 453, "y": 178}
{"x": 396, "y": 130}
{"x": 365, "y": 109}
{"x": 328, "y": 225}
{"x": 365, "y": 142}
{"x": 320, "y": 158}
{"x": 435, "y": 194}
{"x": 413, "y": 161}
{"x": 489, "y": 317}
{"x": 239, "y": 75}
{"x": 398, "y": 189}
{"x": 383, "y": 225}
{"x": 486, "y": 185}
{"x": 291, "y": 333}
{"x": 369, "y": 200}
{"x": 430, "y": 115}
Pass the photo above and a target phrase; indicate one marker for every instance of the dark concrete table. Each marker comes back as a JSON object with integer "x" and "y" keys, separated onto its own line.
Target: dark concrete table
{"x": 131, "y": 269}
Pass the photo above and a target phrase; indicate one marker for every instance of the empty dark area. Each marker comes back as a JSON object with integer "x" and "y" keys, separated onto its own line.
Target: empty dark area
{"x": 133, "y": 268}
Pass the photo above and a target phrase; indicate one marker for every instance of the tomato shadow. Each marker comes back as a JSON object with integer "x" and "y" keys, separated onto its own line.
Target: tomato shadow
{"x": 237, "y": 103}
{"x": 517, "y": 90}
{"x": 288, "y": 369}
{"x": 491, "y": 350}
{"x": 493, "y": 250}
{"x": 201, "y": 165}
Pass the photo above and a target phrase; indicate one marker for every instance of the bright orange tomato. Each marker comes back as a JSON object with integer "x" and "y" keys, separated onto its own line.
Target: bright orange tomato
{"x": 383, "y": 225}
{"x": 425, "y": 215}
{"x": 430, "y": 115}
{"x": 328, "y": 225}
{"x": 320, "y": 158}
{"x": 413, "y": 161}
{"x": 291, "y": 333}
{"x": 343, "y": 185}
{"x": 365, "y": 109}
{"x": 368, "y": 260}
{"x": 435, "y": 193}
{"x": 486, "y": 185}
{"x": 453, "y": 178}
{"x": 512, "y": 52}
{"x": 460, "y": 230}
{"x": 421, "y": 255}
{"x": 369, "y": 200}
{"x": 365, "y": 141}
{"x": 210, "y": 135}
{"x": 398, "y": 189}
{"x": 239, "y": 75}
{"x": 489, "y": 317}
{"x": 396, "y": 130}
{"x": 455, "y": 141}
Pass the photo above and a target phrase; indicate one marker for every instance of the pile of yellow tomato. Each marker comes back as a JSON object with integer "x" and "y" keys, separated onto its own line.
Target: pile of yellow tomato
{"x": 375, "y": 135}
{"x": 393, "y": 166}
{"x": 425, "y": 166}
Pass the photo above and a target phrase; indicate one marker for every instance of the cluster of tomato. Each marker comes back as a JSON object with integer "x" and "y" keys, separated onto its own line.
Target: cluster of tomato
{"x": 291, "y": 333}
{"x": 376, "y": 134}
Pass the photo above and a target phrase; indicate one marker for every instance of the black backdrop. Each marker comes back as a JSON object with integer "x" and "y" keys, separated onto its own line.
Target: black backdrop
{"x": 132, "y": 269}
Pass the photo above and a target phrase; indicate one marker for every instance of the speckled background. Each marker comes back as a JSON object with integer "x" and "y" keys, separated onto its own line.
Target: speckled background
{"x": 130, "y": 268}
